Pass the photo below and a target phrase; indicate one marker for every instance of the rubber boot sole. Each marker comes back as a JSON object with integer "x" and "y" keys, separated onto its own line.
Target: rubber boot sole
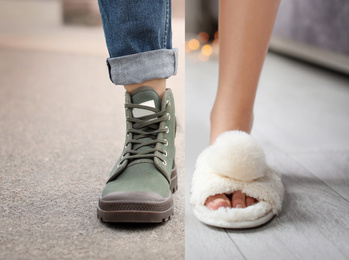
{"x": 139, "y": 210}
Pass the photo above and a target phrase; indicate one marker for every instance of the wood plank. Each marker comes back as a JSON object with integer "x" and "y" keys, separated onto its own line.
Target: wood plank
{"x": 314, "y": 222}
{"x": 331, "y": 167}
{"x": 308, "y": 105}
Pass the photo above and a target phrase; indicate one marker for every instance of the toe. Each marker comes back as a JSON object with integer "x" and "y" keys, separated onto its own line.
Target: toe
{"x": 218, "y": 201}
{"x": 250, "y": 201}
{"x": 239, "y": 199}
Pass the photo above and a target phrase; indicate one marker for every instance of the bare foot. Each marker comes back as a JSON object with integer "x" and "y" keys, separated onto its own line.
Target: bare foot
{"x": 238, "y": 200}
{"x": 218, "y": 201}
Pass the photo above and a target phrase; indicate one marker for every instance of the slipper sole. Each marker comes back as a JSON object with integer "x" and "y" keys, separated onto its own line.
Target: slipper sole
{"x": 240, "y": 225}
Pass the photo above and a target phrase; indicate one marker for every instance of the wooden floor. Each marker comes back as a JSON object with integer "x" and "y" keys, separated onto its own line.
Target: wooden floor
{"x": 302, "y": 122}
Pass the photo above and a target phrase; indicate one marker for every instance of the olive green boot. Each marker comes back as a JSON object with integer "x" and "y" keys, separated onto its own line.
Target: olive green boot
{"x": 142, "y": 181}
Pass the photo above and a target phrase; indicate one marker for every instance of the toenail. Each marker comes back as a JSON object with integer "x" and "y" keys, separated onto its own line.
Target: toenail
{"x": 238, "y": 206}
{"x": 219, "y": 200}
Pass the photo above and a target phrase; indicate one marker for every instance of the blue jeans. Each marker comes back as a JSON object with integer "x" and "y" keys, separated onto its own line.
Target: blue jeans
{"x": 139, "y": 40}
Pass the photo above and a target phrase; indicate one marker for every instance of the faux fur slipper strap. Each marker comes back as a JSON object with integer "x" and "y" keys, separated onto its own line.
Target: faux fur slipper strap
{"x": 235, "y": 155}
{"x": 236, "y": 162}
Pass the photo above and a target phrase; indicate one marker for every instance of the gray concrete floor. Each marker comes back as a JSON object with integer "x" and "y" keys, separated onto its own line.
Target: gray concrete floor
{"x": 302, "y": 122}
{"x": 62, "y": 129}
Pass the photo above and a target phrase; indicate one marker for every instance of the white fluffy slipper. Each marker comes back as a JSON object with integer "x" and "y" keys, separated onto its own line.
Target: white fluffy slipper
{"x": 235, "y": 162}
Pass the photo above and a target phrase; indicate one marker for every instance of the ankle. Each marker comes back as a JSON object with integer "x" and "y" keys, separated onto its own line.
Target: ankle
{"x": 229, "y": 120}
{"x": 159, "y": 85}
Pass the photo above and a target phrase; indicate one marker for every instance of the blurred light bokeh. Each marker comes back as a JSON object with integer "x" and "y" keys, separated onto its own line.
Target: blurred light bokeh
{"x": 309, "y": 30}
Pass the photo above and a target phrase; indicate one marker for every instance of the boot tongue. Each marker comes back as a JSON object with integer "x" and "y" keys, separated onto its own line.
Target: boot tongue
{"x": 145, "y": 96}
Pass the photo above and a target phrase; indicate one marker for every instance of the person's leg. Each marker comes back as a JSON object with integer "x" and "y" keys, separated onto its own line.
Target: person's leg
{"x": 139, "y": 40}
{"x": 138, "y": 36}
{"x": 245, "y": 28}
{"x": 159, "y": 85}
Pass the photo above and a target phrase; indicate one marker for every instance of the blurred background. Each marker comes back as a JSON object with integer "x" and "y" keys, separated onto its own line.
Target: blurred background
{"x": 313, "y": 31}
{"x": 62, "y": 128}
{"x": 301, "y": 119}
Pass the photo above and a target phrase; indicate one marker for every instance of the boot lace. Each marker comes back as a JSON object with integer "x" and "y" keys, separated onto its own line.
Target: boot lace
{"x": 144, "y": 133}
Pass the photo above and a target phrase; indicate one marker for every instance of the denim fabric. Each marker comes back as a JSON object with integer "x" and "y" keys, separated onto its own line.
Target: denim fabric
{"x": 140, "y": 67}
{"x": 133, "y": 30}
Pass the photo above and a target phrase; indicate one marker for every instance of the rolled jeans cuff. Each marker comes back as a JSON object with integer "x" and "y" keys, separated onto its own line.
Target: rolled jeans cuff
{"x": 140, "y": 67}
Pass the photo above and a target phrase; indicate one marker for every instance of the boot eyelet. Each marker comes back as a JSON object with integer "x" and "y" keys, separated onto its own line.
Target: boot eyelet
{"x": 169, "y": 116}
{"x": 166, "y": 142}
{"x": 167, "y": 102}
{"x": 165, "y": 154}
{"x": 164, "y": 163}
{"x": 118, "y": 166}
{"x": 167, "y": 129}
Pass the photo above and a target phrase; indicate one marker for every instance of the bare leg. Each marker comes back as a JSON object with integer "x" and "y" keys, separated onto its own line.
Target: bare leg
{"x": 245, "y": 28}
{"x": 159, "y": 85}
